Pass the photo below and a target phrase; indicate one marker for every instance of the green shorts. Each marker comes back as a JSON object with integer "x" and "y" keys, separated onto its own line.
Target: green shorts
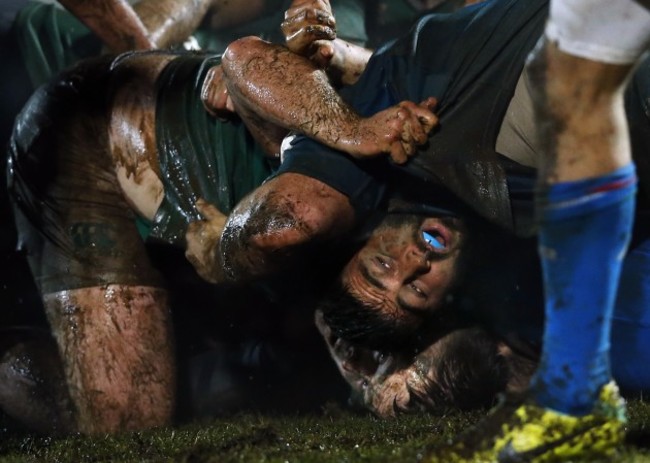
{"x": 200, "y": 156}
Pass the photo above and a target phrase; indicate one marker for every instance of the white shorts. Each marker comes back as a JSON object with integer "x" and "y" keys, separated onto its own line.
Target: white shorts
{"x": 609, "y": 31}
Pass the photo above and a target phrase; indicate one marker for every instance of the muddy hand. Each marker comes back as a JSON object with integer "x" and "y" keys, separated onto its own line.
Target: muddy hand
{"x": 397, "y": 131}
{"x": 307, "y": 25}
{"x": 214, "y": 95}
{"x": 202, "y": 238}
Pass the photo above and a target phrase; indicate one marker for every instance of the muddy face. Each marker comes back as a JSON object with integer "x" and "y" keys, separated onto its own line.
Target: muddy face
{"x": 406, "y": 269}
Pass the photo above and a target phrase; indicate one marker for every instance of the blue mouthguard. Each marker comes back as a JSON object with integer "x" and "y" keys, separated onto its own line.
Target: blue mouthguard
{"x": 432, "y": 240}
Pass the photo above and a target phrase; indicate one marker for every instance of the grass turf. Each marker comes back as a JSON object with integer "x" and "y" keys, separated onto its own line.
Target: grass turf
{"x": 333, "y": 436}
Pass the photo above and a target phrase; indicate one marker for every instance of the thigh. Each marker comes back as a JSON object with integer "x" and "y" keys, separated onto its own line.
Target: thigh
{"x": 73, "y": 221}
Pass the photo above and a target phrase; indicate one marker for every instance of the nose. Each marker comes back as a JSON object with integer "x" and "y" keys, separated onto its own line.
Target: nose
{"x": 416, "y": 262}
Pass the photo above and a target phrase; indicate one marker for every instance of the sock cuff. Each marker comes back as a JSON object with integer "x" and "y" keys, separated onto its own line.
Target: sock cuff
{"x": 569, "y": 199}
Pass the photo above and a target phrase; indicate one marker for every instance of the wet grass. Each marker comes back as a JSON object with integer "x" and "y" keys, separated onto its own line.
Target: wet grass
{"x": 332, "y": 436}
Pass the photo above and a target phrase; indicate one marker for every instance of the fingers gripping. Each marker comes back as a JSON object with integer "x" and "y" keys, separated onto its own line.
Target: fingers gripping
{"x": 414, "y": 122}
{"x": 202, "y": 237}
{"x": 306, "y": 22}
{"x": 208, "y": 211}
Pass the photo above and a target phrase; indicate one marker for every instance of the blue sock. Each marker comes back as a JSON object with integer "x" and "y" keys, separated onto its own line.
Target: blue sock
{"x": 630, "y": 354}
{"x": 584, "y": 232}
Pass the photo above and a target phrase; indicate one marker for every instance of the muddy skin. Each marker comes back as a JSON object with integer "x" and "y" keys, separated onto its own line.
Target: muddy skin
{"x": 306, "y": 22}
{"x": 119, "y": 359}
{"x": 152, "y": 24}
{"x": 266, "y": 225}
{"x": 463, "y": 369}
{"x": 581, "y": 115}
{"x": 399, "y": 276}
{"x": 321, "y": 110}
{"x": 309, "y": 29}
{"x": 132, "y": 133}
{"x": 203, "y": 239}
{"x": 290, "y": 91}
{"x": 268, "y": 229}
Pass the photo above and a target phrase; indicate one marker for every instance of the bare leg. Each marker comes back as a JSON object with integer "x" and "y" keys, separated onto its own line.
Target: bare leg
{"x": 585, "y": 208}
{"x": 102, "y": 296}
{"x": 585, "y": 203}
{"x": 118, "y": 361}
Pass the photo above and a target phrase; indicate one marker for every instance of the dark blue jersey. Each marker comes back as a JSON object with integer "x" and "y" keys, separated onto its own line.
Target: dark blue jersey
{"x": 470, "y": 60}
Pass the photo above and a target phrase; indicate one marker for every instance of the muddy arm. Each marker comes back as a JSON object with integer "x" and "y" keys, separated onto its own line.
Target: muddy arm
{"x": 114, "y": 22}
{"x": 147, "y": 25}
{"x": 268, "y": 82}
{"x": 269, "y": 231}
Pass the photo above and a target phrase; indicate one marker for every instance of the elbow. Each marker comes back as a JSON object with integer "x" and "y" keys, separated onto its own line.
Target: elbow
{"x": 269, "y": 230}
{"x": 240, "y": 53}
{"x": 258, "y": 245}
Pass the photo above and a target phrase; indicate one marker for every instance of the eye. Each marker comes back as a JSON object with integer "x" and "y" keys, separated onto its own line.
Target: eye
{"x": 364, "y": 384}
{"x": 383, "y": 263}
{"x": 416, "y": 289}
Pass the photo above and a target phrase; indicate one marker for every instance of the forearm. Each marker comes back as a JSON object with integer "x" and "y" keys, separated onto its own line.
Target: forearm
{"x": 289, "y": 91}
{"x": 171, "y": 22}
{"x": 114, "y": 22}
{"x": 286, "y": 90}
{"x": 266, "y": 120}
{"x": 348, "y": 62}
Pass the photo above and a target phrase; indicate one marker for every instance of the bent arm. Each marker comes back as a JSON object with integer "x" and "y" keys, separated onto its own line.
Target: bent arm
{"x": 269, "y": 230}
{"x": 268, "y": 82}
